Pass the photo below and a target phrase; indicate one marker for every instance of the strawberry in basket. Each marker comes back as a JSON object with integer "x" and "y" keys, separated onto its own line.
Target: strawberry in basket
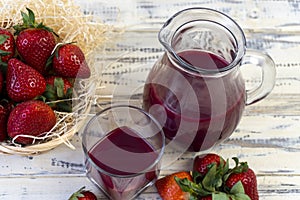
{"x": 36, "y": 77}
{"x": 35, "y": 42}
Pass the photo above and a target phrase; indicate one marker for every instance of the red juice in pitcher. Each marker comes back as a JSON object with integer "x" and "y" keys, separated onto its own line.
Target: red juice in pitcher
{"x": 123, "y": 156}
{"x": 200, "y": 110}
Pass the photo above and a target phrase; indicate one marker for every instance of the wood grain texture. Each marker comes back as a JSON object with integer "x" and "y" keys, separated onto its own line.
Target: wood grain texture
{"x": 267, "y": 137}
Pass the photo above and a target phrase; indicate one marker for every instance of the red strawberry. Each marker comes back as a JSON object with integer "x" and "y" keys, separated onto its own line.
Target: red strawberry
{"x": 35, "y": 42}
{"x": 32, "y": 118}
{"x": 3, "y": 123}
{"x": 168, "y": 189}
{"x": 220, "y": 181}
{"x": 202, "y": 162}
{"x": 23, "y": 82}
{"x": 83, "y": 194}
{"x": 7, "y": 45}
{"x": 206, "y": 198}
{"x": 5, "y": 109}
{"x": 69, "y": 61}
{"x": 242, "y": 173}
{"x": 1, "y": 81}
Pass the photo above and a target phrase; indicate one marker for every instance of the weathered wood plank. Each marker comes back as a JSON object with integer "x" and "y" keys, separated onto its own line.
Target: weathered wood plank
{"x": 270, "y": 188}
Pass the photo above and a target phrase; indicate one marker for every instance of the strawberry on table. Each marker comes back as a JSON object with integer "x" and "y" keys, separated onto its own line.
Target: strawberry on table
{"x": 33, "y": 118}
{"x": 83, "y": 194}
{"x": 23, "y": 82}
{"x": 218, "y": 181}
{"x": 244, "y": 175}
{"x": 202, "y": 162}
{"x": 35, "y": 42}
{"x": 207, "y": 198}
{"x": 168, "y": 189}
{"x": 69, "y": 61}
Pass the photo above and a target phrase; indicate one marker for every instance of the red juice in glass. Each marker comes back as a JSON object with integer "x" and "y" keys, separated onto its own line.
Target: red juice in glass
{"x": 200, "y": 111}
{"x": 124, "y": 163}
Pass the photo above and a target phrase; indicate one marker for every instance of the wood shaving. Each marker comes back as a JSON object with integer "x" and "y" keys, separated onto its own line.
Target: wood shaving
{"x": 63, "y": 16}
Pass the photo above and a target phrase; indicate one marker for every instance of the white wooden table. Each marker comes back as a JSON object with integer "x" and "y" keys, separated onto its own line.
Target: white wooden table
{"x": 268, "y": 136}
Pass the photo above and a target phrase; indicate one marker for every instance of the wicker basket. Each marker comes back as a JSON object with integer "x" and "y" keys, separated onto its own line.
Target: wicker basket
{"x": 71, "y": 24}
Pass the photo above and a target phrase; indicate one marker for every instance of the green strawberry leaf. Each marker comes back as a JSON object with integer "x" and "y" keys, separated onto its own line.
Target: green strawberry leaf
{"x": 25, "y": 18}
{"x": 77, "y": 194}
{"x": 240, "y": 197}
{"x": 29, "y": 22}
{"x": 238, "y": 193}
{"x": 3, "y": 38}
{"x": 194, "y": 189}
{"x": 193, "y": 198}
{"x": 50, "y": 93}
{"x": 211, "y": 180}
{"x": 40, "y": 98}
{"x": 197, "y": 177}
{"x": 3, "y": 66}
{"x": 237, "y": 188}
{"x": 59, "y": 86}
{"x": 226, "y": 166}
{"x": 220, "y": 196}
{"x": 4, "y": 53}
{"x": 65, "y": 106}
{"x": 69, "y": 93}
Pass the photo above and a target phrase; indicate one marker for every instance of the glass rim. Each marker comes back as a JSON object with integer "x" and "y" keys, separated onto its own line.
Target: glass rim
{"x": 148, "y": 169}
{"x": 241, "y": 43}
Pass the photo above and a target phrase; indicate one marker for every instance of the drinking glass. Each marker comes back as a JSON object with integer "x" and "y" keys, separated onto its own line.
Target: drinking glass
{"x": 123, "y": 147}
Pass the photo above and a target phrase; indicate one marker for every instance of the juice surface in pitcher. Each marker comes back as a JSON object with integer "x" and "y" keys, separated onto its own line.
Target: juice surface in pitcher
{"x": 123, "y": 153}
{"x": 220, "y": 99}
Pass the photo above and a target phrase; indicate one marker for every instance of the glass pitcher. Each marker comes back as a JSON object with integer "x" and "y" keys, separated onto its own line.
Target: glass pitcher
{"x": 196, "y": 89}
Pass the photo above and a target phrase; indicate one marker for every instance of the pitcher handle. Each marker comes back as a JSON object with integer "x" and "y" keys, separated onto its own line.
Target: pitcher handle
{"x": 267, "y": 65}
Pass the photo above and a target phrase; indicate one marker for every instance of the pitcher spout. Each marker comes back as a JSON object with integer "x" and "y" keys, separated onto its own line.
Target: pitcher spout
{"x": 204, "y": 30}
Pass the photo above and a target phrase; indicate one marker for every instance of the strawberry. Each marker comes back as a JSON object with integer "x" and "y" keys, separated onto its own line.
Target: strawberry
{"x": 244, "y": 175}
{"x": 202, "y": 162}
{"x": 3, "y": 122}
{"x": 220, "y": 182}
{"x": 5, "y": 109}
{"x": 32, "y": 118}
{"x": 168, "y": 189}
{"x": 69, "y": 61}
{"x": 59, "y": 93}
{"x": 35, "y": 42}
{"x": 206, "y": 198}
{"x": 23, "y": 82}
{"x": 1, "y": 81}
{"x": 7, "y": 45}
{"x": 83, "y": 194}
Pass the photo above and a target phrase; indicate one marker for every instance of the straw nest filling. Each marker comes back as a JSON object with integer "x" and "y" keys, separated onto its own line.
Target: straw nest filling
{"x": 72, "y": 25}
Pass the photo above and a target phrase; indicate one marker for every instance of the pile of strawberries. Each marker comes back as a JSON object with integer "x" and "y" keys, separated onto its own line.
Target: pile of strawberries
{"x": 211, "y": 179}
{"x": 36, "y": 77}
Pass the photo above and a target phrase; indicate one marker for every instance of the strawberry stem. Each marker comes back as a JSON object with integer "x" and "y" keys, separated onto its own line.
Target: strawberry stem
{"x": 29, "y": 22}
{"x": 77, "y": 194}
